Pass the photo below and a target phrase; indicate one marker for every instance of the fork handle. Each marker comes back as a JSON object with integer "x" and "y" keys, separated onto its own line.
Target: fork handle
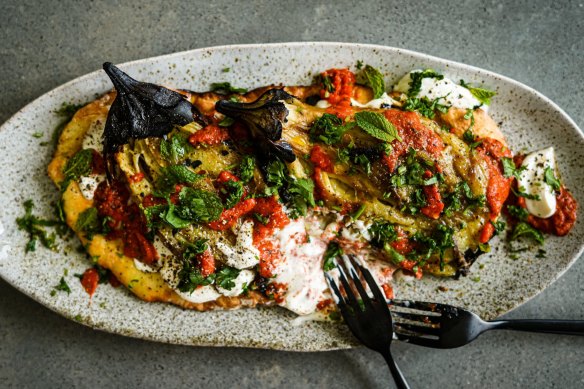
{"x": 566, "y": 327}
{"x": 398, "y": 377}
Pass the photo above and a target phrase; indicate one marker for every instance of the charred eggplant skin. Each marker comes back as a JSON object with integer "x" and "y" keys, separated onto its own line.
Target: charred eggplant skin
{"x": 141, "y": 110}
{"x": 265, "y": 118}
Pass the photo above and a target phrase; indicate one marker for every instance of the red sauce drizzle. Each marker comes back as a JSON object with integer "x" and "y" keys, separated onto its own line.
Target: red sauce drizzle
{"x": 433, "y": 199}
{"x": 413, "y": 134}
{"x": 498, "y": 186}
{"x": 321, "y": 159}
{"x": 343, "y": 82}
{"x": 89, "y": 281}
{"x": 270, "y": 208}
{"x": 125, "y": 220}
{"x": 209, "y": 135}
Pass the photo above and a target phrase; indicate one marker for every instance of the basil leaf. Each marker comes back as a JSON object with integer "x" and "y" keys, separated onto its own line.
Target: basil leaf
{"x": 374, "y": 79}
{"x": 376, "y": 125}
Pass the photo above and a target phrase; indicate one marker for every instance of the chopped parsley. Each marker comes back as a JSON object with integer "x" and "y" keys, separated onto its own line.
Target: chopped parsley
{"x": 175, "y": 174}
{"x": 460, "y": 196}
{"x": 224, "y": 88}
{"x": 521, "y": 193}
{"x": 425, "y": 106}
{"x": 246, "y": 168}
{"x": 199, "y": 206}
{"x": 416, "y": 80}
{"x": 333, "y": 250}
{"x": 233, "y": 191}
{"x": 499, "y": 225}
{"x": 62, "y": 286}
{"x": 382, "y": 233}
{"x": 302, "y": 196}
{"x": 509, "y": 168}
{"x": 518, "y": 212}
{"x": 225, "y": 277}
{"x": 468, "y": 136}
{"x": 551, "y": 180}
{"x": 329, "y": 129}
{"x": 35, "y": 227}
{"x": 327, "y": 84}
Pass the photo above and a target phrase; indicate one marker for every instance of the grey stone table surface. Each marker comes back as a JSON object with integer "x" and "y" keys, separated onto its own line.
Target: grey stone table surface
{"x": 46, "y": 43}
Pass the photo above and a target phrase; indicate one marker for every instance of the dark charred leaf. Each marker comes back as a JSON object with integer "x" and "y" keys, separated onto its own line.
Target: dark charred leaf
{"x": 142, "y": 110}
{"x": 265, "y": 118}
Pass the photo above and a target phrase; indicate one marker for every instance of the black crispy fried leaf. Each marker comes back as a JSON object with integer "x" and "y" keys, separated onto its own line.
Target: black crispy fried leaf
{"x": 142, "y": 110}
{"x": 265, "y": 118}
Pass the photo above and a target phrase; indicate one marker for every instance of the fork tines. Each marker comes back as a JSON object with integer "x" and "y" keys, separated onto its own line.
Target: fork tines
{"x": 349, "y": 277}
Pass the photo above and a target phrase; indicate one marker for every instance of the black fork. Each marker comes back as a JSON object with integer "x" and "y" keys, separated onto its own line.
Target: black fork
{"x": 368, "y": 318}
{"x": 445, "y": 326}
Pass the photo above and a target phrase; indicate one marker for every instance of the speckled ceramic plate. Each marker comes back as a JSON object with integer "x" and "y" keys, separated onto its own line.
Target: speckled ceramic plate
{"x": 529, "y": 120}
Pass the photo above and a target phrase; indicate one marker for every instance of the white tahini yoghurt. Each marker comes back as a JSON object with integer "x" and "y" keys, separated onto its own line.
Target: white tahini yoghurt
{"x": 532, "y": 181}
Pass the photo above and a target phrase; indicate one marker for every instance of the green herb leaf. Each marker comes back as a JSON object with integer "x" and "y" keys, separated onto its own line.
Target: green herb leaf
{"x": 276, "y": 174}
{"x": 481, "y": 94}
{"x": 233, "y": 191}
{"x": 90, "y": 223}
{"x": 518, "y": 212}
{"x": 376, "y": 125}
{"x": 500, "y": 226}
{"x": 329, "y": 129}
{"x": 382, "y": 233}
{"x": 374, "y": 79}
{"x": 224, "y": 88}
{"x": 333, "y": 250}
{"x": 174, "y": 149}
{"x": 175, "y": 221}
{"x": 79, "y": 165}
{"x": 198, "y": 205}
{"x": 509, "y": 168}
{"x": 551, "y": 180}
{"x": 302, "y": 193}
{"x": 524, "y": 229}
{"x": 63, "y": 286}
{"x": 416, "y": 80}
{"x": 175, "y": 174}
{"x": 35, "y": 227}
{"x": 261, "y": 218}
{"x": 246, "y": 168}
{"x": 425, "y": 107}
{"x": 226, "y": 276}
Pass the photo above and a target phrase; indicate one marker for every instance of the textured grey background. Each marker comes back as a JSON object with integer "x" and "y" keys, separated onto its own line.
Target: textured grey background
{"x": 44, "y": 44}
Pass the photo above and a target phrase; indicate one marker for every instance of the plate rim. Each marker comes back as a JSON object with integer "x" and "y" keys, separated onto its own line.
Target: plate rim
{"x": 96, "y": 73}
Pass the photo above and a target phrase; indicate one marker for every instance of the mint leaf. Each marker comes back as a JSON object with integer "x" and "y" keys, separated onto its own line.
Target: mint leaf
{"x": 174, "y": 149}
{"x": 481, "y": 94}
{"x": 175, "y": 174}
{"x": 374, "y": 79}
{"x": 376, "y": 125}
{"x": 198, "y": 205}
